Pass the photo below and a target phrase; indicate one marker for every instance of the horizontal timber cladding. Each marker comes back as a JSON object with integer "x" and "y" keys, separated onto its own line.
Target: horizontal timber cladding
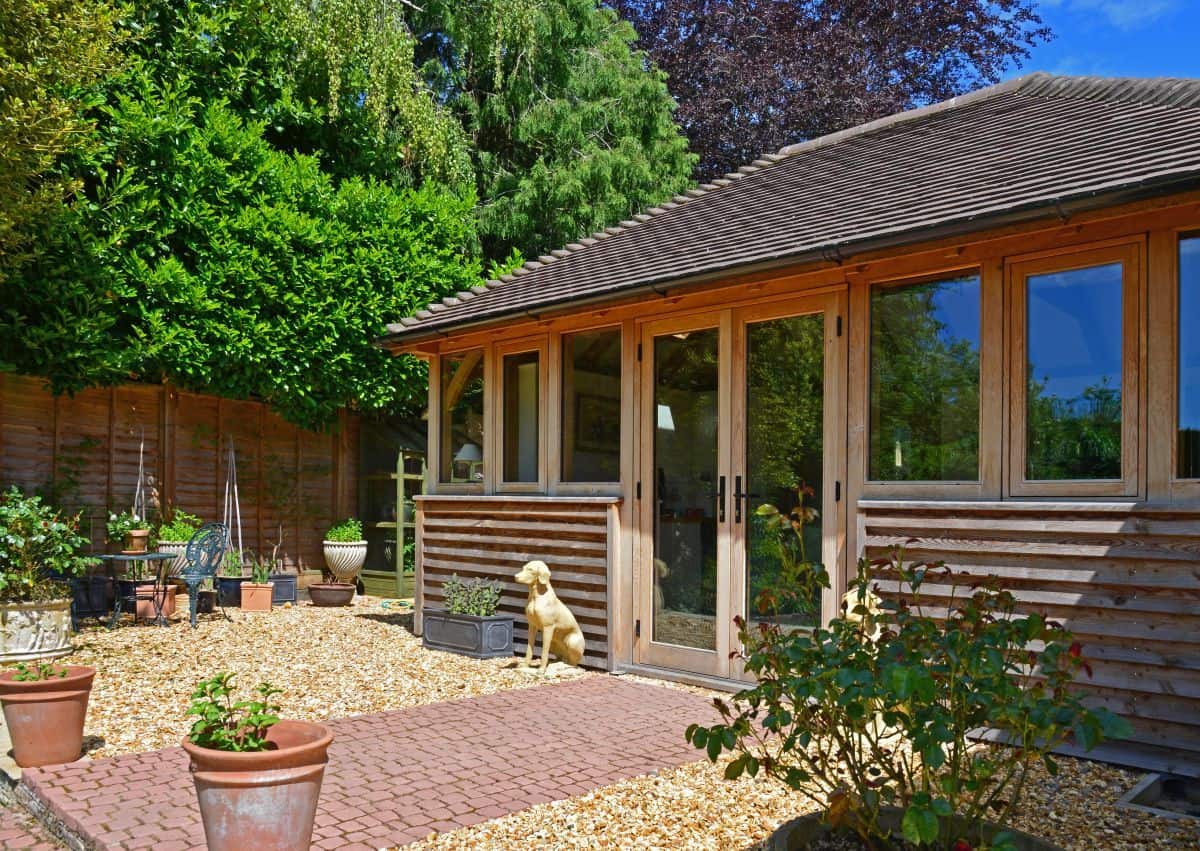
{"x": 1123, "y": 577}
{"x": 84, "y": 449}
{"x": 492, "y": 536}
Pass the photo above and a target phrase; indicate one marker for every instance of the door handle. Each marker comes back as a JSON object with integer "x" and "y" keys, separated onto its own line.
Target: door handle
{"x": 738, "y": 496}
{"x": 721, "y": 500}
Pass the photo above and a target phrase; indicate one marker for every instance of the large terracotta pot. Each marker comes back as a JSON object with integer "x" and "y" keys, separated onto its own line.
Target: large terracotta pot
{"x": 345, "y": 560}
{"x": 34, "y": 630}
{"x": 331, "y": 593}
{"x": 257, "y": 598}
{"x": 179, "y": 550}
{"x": 45, "y": 718}
{"x": 265, "y": 800}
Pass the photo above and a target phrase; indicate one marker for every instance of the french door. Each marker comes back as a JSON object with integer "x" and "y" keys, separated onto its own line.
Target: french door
{"x": 741, "y": 423}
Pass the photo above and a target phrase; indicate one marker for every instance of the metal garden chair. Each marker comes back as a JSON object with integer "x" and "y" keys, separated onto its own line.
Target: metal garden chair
{"x": 204, "y": 553}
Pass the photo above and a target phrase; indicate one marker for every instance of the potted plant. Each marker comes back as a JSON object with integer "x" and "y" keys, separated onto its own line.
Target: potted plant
{"x": 871, "y": 717}
{"x": 284, "y": 579}
{"x": 44, "y": 708}
{"x": 173, "y": 535}
{"x": 345, "y": 550}
{"x": 39, "y": 549}
{"x": 469, "y": 624}
{"x": 256, "y": 594}
{"x": 258, "y": 778}
{"x": 229, "y": 582}
{"x": 128, "y": 531}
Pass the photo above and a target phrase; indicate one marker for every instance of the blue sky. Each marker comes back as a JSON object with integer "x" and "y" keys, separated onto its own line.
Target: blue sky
{"x": 1134, "y": 38}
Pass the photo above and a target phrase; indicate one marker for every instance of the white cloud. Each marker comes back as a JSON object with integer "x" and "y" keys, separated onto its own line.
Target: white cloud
{"x": 1123, "y": 14}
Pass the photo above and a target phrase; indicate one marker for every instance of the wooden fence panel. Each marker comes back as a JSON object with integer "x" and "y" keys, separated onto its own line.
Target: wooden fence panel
{"x": 491, "y": 537}
{"x": 1125, "y": 578}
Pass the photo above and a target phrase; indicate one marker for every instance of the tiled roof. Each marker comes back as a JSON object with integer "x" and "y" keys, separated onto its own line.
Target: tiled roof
{"x": 1023, "y": 149}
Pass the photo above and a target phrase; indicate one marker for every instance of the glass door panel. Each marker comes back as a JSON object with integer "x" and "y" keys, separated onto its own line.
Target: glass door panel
{"x": 685, "y": 411}
{"x": 784, "y": 468}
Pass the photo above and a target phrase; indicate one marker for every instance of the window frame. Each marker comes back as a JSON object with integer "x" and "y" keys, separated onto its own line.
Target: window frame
{"x": 991, "y": 380}
{"x": 1131, "y": 254}
{"x": 500, "y": 351}
{"x": 436, "y": 370}
{"x": 557, "y": 394}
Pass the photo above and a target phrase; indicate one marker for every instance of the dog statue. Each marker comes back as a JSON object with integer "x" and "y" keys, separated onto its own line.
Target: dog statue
{"x": 547, "y": 614}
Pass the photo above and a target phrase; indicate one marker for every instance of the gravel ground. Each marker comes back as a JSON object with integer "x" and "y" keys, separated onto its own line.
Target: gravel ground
{"x": 331, "y": 663}
{"x": 337, "y": 662}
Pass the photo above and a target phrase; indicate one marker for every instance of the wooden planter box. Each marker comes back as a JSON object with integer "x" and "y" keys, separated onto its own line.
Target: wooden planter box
{"x": 469, "y": 635}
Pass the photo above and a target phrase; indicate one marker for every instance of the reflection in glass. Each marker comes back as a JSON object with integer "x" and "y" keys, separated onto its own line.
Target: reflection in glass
{"x": 1187, "y": 465}
{"x": 522, "y": 441}
{"x": 925, "y": 381}
{"x": 462, "y": 417}
{"x": 685, "y": 489}
{"x": 1073, "y": 402}
{"x": 785, "y": 373}
{"x": 591, "y": 406}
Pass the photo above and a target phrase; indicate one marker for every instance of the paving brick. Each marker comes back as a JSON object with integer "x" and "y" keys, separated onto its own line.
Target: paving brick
{"x": 396, "y": 777}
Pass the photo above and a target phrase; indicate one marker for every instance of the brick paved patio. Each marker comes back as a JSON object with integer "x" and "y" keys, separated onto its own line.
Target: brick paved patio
{"x": 395, "y": 777}
{"x": 20, "y": 831}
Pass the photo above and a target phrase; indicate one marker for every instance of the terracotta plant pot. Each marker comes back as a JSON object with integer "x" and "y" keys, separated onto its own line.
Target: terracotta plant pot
{"x": 265, "y": 800}
{"x": 345, "y": 560}
{"x": 257, "y": 598}
{"x": 136, "y": 541}
{"x": 45, "y": 718}
{"x": 145, "y": 601}
{"x": 331, "y": 593}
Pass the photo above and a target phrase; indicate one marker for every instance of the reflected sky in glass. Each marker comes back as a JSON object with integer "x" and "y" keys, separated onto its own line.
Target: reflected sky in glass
{"x": 1189, "y": 333}
{"x": 1075, "y": 330}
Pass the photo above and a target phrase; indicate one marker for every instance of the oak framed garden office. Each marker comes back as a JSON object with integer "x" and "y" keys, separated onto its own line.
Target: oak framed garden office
{"x": 975, "y": 324}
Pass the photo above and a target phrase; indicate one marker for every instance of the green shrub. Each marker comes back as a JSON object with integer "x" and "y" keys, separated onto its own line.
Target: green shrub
{"x": 479, "y": 597}
{"x": 876, "y": 710}
{"x": 180, "y": 527}
{"x": 36, "y": 544}
{"x": 120, "y": 525}
{"x": 231, "y": 564}
{"x": 224, "y": 725}
{"x": 349, "y": 531}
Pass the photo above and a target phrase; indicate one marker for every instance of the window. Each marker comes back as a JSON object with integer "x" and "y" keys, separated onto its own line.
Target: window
{"x": 1073, "y": 379}
{"x": 522, "y": 440}
{"x": 462, "y": 417}
{"x": 1187, "y": 445}
{"x": 924, "y": 396}
{"x": 591, "y": 406}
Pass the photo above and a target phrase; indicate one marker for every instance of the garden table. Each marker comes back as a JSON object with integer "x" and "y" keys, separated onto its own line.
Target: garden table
{"x": 159, "y": 581}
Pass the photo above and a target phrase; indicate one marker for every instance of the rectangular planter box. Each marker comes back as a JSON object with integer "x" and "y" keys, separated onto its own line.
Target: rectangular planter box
{"x": 229, "y": 589}
{"x": 470, "y": 635}
{"x": 91, "y": 596}
{"x": 285, "y": 588}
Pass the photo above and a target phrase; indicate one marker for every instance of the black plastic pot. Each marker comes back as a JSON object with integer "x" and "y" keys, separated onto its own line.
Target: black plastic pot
{"x": 229, "y": 589}
{"x": 90, "y": 596}
{"x": 206, "y": 602}
{"x": 796, "y": 834}
{"x": 471, "y": 635}
{"x": 285, "y": 588}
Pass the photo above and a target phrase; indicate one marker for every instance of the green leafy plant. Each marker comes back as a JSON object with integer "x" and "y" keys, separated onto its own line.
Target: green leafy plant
{"x": 37, "y": 544}
{"x": 39, "y": 672}
{"x": 349, "y": 531}
{"x": 226, "y": 725}
{"x": 180, "y": 527}
{"x": 876, "y": 710}
{"x": 231, "y": 564}
{"x": 261, "y": 570}
{"x": 479, "y": 597}
{"x": 120, "y": 524}
{"x": 800, "y": 580}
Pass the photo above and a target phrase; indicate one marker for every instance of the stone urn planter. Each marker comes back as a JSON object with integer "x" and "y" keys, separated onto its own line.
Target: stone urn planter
{"x": 800, "y": 833}
{"x": 45, "y": 717}
{"x": 256, "y": 597}
{"x": 264, "y": 800}
{"x": 179, "y": 550}
{"x": 345, "y": 559}
{"x": 34, "y": 630}
{"x": 327, "y": 594}
{"x": 480, "y": 637}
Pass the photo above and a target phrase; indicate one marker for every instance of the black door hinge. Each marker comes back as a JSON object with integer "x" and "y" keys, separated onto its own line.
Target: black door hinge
{"x": 637, "y": 629}
{"x": 639, "y": 352}
{"x": 638, "y": 491}
{"x": 837, "y": 491}
{"x": 839, "y": 326}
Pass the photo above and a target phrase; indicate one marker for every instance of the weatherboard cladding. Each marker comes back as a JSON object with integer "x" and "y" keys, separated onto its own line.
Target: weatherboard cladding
{"x": 1032, "y": 144}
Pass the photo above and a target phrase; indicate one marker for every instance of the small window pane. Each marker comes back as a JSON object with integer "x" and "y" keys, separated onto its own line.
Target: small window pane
{"x": 591, "y": 412}
{"x": 1073, "y": 401}
{"x": 925, "y": 381}
{"x": 522, "y": 443}
{"x": 462, "y": 417}
{"x": 1188, "y": 448}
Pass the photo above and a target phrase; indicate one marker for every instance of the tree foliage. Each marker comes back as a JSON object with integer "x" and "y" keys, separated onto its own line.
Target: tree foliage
{"x": 570, "y": 130}
{"x": 752, "y": 76}
{"x": 51, "y": 53}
